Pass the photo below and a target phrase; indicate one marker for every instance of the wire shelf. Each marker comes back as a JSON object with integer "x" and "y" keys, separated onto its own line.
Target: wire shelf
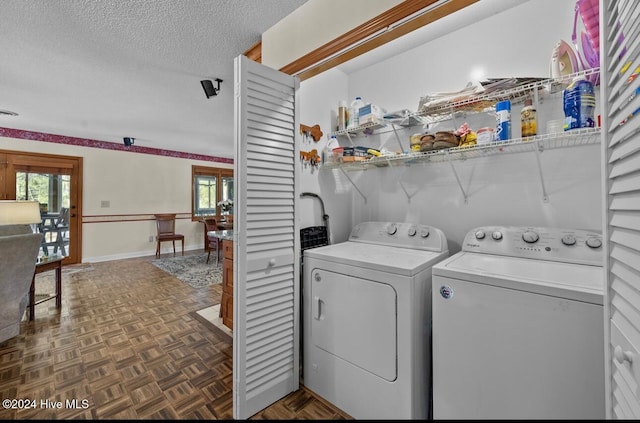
{"x": 362, "y": 128}
{"x": 446, "y": 109}
{"x": 443, "y": 109}
{"x": 568, "y": 139}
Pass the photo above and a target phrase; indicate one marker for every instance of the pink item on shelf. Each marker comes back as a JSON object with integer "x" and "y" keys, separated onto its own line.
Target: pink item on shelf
{"x": 589, "y": 45}
{"x": 463, "y": 130}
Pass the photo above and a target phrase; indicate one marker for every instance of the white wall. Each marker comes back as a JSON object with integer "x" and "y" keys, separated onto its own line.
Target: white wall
{"x": 318, "y": 106}
{"x": 134, "y": 184}
{"x": 502, "y": 190}
{"x": 314, "y": 24}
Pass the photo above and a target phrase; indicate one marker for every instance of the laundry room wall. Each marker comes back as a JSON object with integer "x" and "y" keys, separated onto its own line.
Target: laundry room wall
{"x": 500, "y": 189}
{"x": 318, "y": 107}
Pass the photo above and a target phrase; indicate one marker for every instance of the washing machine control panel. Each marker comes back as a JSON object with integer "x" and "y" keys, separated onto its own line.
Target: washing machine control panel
{"x": 555, "y": 244}
{"x": 401, "y": 235}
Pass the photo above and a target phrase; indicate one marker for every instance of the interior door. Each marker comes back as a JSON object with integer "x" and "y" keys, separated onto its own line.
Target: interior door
{"x": 620, "y": 68}
{"x": 56, "y": 183}
{"x": 266, "y": 238}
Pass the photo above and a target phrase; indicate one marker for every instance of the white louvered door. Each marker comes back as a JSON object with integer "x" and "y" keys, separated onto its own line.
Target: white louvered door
{"x": 266, "y": 238}
{"x": 620, "y": 50}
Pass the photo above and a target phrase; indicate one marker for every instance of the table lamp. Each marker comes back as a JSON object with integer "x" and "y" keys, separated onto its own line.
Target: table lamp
{"x": 15, "y": 212}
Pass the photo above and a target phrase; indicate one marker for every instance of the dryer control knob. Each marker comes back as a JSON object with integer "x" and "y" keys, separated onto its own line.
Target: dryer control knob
{"x": 569, "y": 240}
{"x": 594, "y": 242}
{"x": 497, "y": 235}
{"x": 411, "y": 231}
{"x": 479, "y": 234}
{"x": 392, "y": 228}
{"x": 424, "y": 232}
{"x": 530, "y": 237}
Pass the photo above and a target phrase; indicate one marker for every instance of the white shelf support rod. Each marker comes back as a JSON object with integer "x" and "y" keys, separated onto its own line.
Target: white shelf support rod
{"x": 349, "y": 138}
{"x": 538, "y": 149}
{"x": 464, "y": 194}
{"x": 402, "y": 185}
{"x": 397, "y": 137}
{"x": 354, "y": 185}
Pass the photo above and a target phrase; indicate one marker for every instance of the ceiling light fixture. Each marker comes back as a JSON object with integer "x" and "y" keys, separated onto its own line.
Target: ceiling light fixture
{"x": 209, "y": 89}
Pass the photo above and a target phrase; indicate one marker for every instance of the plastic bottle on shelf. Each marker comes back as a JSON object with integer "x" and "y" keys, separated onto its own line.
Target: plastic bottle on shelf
{"x": 328, "y": 153}
{"x": 503, "y": 120}
{"x": 528, "y": 119}
{"x": 579, "y": 104}
{"x": 353, "y": 112}
{"x": 342, "y": 115}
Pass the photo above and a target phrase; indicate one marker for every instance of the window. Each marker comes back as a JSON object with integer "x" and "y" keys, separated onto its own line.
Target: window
{"x": 211, "y": 185}
{"x": 52, "y": 191}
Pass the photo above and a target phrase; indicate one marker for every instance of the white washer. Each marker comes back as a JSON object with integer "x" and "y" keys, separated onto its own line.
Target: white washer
{"x": 367, "y": 319}
{"x": 518, "y": 326}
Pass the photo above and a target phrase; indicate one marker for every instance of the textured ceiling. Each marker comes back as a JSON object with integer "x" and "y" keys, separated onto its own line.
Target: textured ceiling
{"x": 108, "y": 69}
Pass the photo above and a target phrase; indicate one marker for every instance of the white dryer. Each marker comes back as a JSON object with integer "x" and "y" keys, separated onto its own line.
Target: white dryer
{"x": 518, "y": 326}
{"x": 366, "y": 306}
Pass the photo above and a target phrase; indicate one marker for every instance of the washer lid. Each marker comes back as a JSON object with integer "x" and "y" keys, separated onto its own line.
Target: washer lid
{"x": 571, "y": 281}
{"x": 400, "y": 261}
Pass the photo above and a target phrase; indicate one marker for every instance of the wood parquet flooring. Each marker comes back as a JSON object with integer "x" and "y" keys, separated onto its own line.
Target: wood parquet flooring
{"x": 125, "y": 345}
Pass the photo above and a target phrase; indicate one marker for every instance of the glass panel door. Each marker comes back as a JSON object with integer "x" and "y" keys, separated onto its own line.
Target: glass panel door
{"x": 53, "y": 192}
{"x": 56, "y": 183}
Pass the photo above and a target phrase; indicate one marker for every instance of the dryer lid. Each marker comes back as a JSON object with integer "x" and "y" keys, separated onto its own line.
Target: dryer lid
{"x": 400, "y": 261}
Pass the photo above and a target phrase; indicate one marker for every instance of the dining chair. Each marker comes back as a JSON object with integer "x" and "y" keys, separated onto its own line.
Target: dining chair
{"x": 210, "y": 224}
{"x": 166, "y": 231}
{"x": 61, "y": 227}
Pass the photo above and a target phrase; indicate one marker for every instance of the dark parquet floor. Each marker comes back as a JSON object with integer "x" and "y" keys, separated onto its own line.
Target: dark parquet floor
{"x": 126, "y": 345}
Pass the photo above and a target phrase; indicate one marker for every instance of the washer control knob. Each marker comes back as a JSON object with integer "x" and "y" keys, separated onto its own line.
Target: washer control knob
{"x": 594, "y": 242}
{"x": 530, "y": 237}
{"x": 479, "y": 234}
{"x": 569, "y": 240}
{"x": 424, "y": 232}
{"x": 497, "y": 235}
{"x": 411, "y": 231}
{"x": 392, "y": 228}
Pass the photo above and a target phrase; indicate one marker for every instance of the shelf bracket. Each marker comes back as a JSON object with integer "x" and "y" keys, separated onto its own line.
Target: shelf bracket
{"x": 453, "y": 168}
{"x": 354, "y": 185}
{"x": 538, "y": 149}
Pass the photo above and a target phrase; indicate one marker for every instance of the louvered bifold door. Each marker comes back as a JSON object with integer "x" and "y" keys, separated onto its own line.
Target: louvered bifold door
{"x": 266, "y": 235}
{"x": 620, "y": 49}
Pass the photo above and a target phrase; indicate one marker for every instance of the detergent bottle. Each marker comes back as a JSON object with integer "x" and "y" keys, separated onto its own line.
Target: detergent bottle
{"x": 579, "y": 104}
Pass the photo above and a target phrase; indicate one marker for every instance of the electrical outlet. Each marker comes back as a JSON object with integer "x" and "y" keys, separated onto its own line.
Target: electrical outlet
{"x": 150, "y": 238}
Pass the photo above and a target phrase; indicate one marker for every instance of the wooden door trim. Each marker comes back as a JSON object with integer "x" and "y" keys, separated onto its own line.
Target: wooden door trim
{"x": 52, "y": 161}
{"x": 316, "y": 61}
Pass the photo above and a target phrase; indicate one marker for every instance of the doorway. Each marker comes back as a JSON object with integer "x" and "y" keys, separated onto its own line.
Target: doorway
{"x": 56, "y": 183}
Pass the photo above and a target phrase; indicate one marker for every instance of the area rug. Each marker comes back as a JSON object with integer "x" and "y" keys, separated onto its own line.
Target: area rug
{"x": 191, "y": 269}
